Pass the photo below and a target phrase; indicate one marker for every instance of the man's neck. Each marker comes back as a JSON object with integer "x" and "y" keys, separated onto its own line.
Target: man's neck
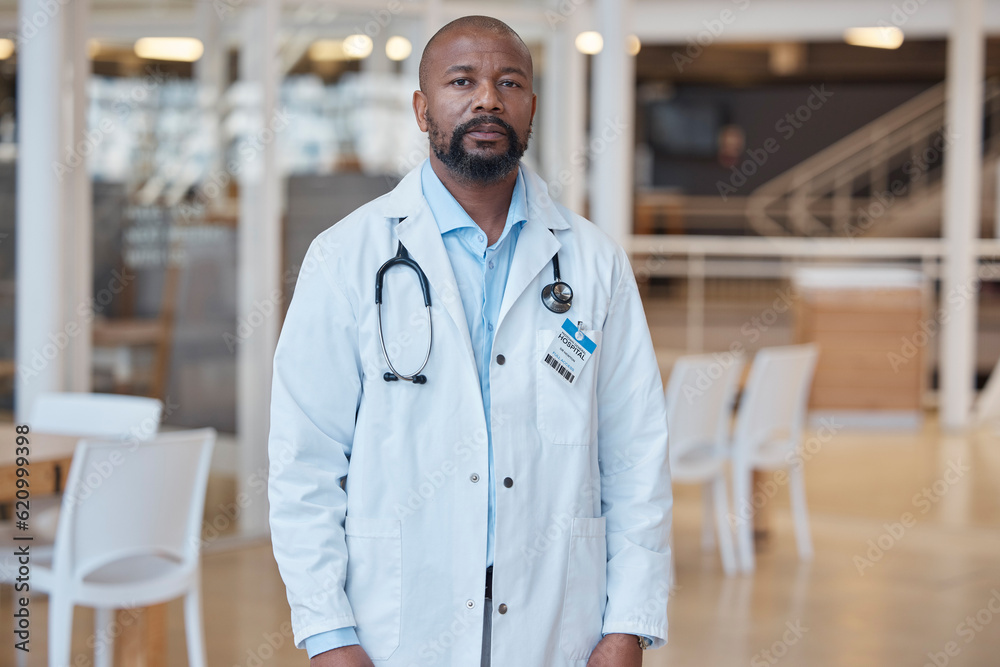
{"x": 487, "y": 205}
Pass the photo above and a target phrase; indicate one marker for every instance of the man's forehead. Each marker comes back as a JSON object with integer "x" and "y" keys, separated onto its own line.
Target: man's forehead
{"x": 479, "y": 49}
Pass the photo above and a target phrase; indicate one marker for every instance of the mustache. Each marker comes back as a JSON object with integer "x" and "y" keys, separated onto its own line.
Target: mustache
{"x": 479, "y": 121}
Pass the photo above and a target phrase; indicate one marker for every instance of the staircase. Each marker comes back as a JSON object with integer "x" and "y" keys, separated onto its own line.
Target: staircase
{"x": 885, "y": 179}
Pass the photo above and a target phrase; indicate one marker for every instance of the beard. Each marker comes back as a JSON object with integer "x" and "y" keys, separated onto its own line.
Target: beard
{"x": 470, "y": 167}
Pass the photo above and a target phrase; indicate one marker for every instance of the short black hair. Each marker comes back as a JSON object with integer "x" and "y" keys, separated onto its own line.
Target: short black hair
{"x": 489, "y": 23}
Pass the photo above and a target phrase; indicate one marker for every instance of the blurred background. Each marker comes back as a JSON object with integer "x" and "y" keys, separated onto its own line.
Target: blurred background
{"x": 782, "y": 172}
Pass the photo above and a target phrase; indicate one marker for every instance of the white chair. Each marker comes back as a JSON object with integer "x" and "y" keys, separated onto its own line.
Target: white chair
{"x": 102, "y": 415}
{"x": 129, "y": 533}
{"x": 768, "y": 435}
{"x": 131, "y": 418}
{"x": 699, "y": 400}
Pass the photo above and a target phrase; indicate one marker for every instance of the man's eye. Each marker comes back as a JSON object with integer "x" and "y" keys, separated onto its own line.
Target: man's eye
{"x": 512, "y": 84}
{"x": 460, "y": 81}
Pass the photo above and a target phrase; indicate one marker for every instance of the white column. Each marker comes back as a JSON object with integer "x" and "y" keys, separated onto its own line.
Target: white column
{"x": 378, "y": 62}
{"x": 962, "y": 185}
{"x": 562, "y": 107}
{"x": 79, "y": 218}
{"x": 574, "y": 193}
{"x": 53, "y": 204}
{"x": 612, "y": 122}
{"x": 433, "y": 21}
{"x": 551, "y": 112}
{"x": 259, "y": 260}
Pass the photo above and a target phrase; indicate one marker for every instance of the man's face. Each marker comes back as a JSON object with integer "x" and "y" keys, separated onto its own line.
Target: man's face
{"x": 478, "y": 104}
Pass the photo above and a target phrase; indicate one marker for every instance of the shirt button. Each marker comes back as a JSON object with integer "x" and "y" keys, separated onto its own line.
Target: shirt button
{"x": 481, "y": 237}
{"x": 508, "y": 482}
{"x": 474, "y": 477}
{"x": 489, "y": 325}
{"x": 491, "y": 263}
{"x": 500, "y": 359}
{"x": 470, "y": 603}
{"x": 502, "y": 608}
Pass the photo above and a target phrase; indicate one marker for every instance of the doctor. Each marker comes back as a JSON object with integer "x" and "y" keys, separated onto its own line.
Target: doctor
{"x": 481, "y": 480}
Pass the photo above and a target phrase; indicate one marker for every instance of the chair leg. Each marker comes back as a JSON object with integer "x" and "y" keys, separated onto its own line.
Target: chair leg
{"x": 194, "y": 631}
{"x": 60, "y": 630}
{"x": 104, "y": 641}
{"x": 708, "y": 516}
{"x": 800, "y": 511}
{"x": 743, "y": 506}
{"x": 721, "y": 504}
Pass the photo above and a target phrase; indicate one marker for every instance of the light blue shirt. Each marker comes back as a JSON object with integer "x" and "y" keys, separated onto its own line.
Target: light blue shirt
{"x": 481, "y": 273}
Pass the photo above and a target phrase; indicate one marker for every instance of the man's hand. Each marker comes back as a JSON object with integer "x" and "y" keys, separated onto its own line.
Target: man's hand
{"x": 616, "y": 650}
{"x": 345, "y": 656}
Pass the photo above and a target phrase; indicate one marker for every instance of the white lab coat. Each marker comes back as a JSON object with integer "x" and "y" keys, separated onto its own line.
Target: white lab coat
{"x": 581, "y": 540}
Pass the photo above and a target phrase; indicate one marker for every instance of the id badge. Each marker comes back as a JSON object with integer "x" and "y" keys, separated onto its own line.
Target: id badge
{"x": 569, "y": 352}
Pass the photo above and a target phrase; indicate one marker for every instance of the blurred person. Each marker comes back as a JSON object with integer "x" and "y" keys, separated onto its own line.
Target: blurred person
{"x": 509, "y": 501}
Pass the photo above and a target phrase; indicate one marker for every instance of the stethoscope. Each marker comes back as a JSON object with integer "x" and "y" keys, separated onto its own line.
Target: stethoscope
{"x": 557, "y": 297}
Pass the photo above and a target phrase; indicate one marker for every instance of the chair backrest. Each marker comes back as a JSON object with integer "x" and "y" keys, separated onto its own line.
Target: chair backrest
{"x": 772, "y": 409}
{"x": 100, "y": 415}
{"x": 699, "y": 398}
{"x": 987, "y": 407}
{"x": 133, "y": 498}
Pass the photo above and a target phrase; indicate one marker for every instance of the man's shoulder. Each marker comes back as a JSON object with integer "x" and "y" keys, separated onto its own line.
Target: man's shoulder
{"x": 348, "y": 234}
{"x": 593, "y": 241}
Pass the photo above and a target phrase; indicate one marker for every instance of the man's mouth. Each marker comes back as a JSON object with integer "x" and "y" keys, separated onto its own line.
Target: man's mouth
{"x": 487, "y": 132}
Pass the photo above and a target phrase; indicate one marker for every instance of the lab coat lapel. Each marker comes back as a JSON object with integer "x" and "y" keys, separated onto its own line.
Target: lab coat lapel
{"x": 535, "y": 247}
{"x": 421, "y": 237}
{"x": 536, "y": 244}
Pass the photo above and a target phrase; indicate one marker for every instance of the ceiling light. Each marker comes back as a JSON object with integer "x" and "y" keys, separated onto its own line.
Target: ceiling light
{"x": 326, "y": 50}
{"x": 632, "y": 45}
{"x": 589, "y": 42}
{"x": 358, "y": 46}
{"x": 398, "y": 48}
{"x": 183, "y": 49}
{"x": 887, "y": 37}
{"x": 6, "y": 48}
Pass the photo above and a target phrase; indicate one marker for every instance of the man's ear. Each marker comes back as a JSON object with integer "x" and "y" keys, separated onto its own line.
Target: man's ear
{"x": 534, "y": 103}
{"x": 420, "y": 109}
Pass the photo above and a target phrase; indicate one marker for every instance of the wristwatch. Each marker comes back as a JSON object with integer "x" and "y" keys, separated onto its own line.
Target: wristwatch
{"x": 644, "y": 642}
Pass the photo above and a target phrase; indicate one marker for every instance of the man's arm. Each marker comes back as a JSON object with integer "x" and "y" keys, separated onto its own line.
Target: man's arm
{"x": 636, "y": 497}
{"x": 314, "y": 398}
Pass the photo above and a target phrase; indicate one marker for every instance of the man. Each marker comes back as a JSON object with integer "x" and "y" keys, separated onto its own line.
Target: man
{"x": 492, "y": 488}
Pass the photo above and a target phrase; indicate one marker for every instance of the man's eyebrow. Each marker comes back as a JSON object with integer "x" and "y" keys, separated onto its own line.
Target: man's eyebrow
{"x": 509, "y": 69}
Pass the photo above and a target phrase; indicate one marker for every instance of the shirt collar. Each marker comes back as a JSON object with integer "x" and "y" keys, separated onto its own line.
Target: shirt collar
{"x": 450, "y": 215}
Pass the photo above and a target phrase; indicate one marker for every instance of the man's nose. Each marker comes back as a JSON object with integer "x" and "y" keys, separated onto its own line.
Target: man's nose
{"x": 488, "y": 99}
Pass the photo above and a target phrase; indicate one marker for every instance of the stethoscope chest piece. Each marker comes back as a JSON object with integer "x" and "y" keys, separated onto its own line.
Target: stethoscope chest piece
{"x": 557, "y": 297}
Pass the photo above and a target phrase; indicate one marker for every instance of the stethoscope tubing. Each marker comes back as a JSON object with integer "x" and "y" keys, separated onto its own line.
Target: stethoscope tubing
{"x": 402, "y": 258}
{"x": 557, "y": 297}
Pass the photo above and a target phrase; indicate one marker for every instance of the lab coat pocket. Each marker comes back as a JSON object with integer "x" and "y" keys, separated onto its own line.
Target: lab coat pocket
{"x": 566, "y": 412}
{"x": 374, "y": 582}
{"x": 586, "y": 588}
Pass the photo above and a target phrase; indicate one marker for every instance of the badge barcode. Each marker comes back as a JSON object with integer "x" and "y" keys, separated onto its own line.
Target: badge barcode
{"x": 559, "y": 367}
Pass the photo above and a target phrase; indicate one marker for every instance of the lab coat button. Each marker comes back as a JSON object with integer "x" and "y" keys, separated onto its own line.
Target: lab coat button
{"x": 508, "y": 482}
{"x": 502, "y": 608}
{"x": 470, "y": 603}
{"x": 474, "y": 477}
{"x": 501, "y": 360}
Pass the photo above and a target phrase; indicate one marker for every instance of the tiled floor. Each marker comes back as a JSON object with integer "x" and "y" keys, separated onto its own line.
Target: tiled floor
{"x": 911, "y": 601}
